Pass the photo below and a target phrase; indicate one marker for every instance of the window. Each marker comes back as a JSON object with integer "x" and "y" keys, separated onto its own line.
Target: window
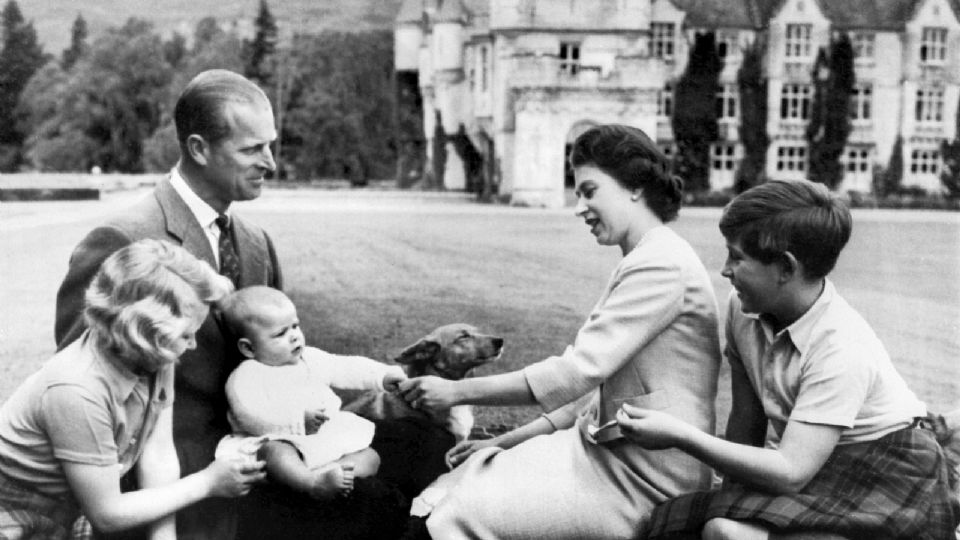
{"x": 929, "y": 106}
{"x": 723, "y": 157}
{"x": 863, "y": 43}
{"x": 798, "y": 40}
{"x": 792, "y": 158}
{"x": 569, "y": 58}
{"x": 661, "y": 40}
{"x": 933, "y": 45}
{"x": 665, "y": 101}
{"x": 795, "y": 102}
{"x": 727, "y": 45}
{"x": 861, "y": 100}
{"x": 925, "y": 161}
{"x": 727, "y": 98}
{"x": 857, "y": 160}
{"x": 484, "y": 69}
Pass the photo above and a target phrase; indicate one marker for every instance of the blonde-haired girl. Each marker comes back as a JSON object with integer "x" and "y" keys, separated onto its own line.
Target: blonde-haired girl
{"x": 103, "y": 405}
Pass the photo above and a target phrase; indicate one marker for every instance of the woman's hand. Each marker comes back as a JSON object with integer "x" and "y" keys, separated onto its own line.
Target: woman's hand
{"x": 234, "y": 477}
{"x": 650, "y": 429}
{"x": 459, "y": 453}
{"x": 429, "y": 393}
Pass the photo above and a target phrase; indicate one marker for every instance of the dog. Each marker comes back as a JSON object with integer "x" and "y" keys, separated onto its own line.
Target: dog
{"x": 450, "y": 352}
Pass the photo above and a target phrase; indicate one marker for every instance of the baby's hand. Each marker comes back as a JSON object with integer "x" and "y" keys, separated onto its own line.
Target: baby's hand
{"x": 392, "y": 380}
{"x": 312, "y": 420}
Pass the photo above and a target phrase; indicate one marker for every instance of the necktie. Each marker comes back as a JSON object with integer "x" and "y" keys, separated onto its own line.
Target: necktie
{"x": 229, "y": 261}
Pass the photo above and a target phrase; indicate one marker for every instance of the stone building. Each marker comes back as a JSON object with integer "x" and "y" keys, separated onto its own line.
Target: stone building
{"x": 504, "y": 86}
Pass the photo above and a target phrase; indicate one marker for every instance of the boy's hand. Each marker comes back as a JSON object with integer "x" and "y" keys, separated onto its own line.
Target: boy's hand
{"x": 391, "y": 382}
{"x": 312, "y": 420}
{"x": 650, "y": 429}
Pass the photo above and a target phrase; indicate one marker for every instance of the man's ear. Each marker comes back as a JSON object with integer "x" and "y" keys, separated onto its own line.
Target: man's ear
{"x": 198, "y": 149}
{"x": 246, "y": 347}
{"x": 790, "y": 267}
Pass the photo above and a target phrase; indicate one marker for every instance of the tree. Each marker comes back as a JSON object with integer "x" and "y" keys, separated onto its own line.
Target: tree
{"x": 753, "y": 117}
{"x": 950, "y": 177}
{"x": 261, "y": 50}
{"x": 20, "y": 58}
{"x": 695, "y": 118}
{"x": 78, "y": 44}
{"x": 830, "y": 125}
{"x": 339, "y": 112}
{"x": 888, "y": 181}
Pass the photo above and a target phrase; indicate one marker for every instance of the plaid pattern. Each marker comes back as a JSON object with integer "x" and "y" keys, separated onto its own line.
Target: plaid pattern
{"x": 28, "y": 515}
{"x": 892, "y": 488}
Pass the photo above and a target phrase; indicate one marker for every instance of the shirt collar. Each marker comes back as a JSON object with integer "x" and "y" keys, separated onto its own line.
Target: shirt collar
{"x": 204, "y": 213}
{"x": 802, "y": 330}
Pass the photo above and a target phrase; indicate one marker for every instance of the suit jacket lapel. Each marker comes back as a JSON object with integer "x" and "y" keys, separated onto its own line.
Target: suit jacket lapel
{"x": 182, "y": 224}
{"x": 252, "y": 250}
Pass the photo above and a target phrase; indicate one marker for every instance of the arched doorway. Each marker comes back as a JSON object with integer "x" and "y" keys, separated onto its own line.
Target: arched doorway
{"x": 575, "y": 131}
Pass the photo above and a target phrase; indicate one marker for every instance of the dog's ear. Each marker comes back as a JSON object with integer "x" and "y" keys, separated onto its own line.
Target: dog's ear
{"x": 418, "y": 353}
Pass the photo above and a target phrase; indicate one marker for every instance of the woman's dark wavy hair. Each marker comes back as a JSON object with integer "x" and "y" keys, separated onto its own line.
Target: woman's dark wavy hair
{"x": 801, "y": 217}
{"x": 634, "y": 161}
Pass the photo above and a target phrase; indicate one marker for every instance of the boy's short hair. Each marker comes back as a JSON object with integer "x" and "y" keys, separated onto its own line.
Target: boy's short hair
{"x": 801, "y": 217}
{"x": 244, "y": 310}
{"x": 135, "y": 304}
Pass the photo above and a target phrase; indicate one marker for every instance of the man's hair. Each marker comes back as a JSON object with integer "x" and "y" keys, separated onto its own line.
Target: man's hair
{"x": 141, "y": 295}
{"x": 200, "y": 108}
{"x": 248, "y": 308}
{"x": 629, "y": 156}
{"x": 801, "y": 217}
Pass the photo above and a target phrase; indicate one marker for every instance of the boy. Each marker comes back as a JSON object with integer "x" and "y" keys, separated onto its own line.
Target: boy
{"x": 846, "y": 455}
{"x": 281, "y": 406}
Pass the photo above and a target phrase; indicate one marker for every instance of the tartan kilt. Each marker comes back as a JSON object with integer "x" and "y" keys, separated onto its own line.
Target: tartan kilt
{"x": 893, "y": 488}
{"x": 28, "y": 515}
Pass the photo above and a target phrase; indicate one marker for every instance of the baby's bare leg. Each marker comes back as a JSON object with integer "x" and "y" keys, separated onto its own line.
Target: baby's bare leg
{"x": 365, "y": 462}
{"x": 285, "y": 466}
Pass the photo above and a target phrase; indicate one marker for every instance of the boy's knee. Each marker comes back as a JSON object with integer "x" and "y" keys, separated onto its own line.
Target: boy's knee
{"x": 728, "y": 529}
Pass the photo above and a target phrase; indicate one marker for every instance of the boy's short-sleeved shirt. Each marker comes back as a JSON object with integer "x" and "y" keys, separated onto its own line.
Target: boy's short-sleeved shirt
{"x": 80, "y": 408}
{"x": 828, "y": 367}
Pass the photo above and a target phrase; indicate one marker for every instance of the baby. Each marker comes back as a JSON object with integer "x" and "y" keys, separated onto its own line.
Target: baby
{"x": 282, "y": 408}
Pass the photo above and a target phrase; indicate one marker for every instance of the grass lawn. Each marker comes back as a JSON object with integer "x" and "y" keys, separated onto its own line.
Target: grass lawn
{"x": 371, "y": 273}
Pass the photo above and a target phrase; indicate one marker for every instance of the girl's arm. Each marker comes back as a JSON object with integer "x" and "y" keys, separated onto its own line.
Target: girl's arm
{"x": 97, "y": 490}
{"x": 803, "y": 450}
{"x": 159, "y": 466}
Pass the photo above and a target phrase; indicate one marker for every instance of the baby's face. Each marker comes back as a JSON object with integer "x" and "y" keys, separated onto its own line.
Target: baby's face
{"x": 279, "y": 341}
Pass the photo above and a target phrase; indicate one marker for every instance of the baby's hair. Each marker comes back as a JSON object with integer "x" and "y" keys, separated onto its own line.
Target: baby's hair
{"x": 801, "y": 217}
{"x": 138, "y": 300}
{"x": 629, "y": 156}
{"x": 245, "y": 308}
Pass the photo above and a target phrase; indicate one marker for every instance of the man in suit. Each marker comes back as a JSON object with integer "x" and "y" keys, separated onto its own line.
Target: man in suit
{"x": 224, "y": 127}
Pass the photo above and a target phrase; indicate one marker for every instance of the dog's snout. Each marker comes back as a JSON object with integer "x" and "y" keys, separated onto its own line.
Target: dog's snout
{"x": 498, "y": 342}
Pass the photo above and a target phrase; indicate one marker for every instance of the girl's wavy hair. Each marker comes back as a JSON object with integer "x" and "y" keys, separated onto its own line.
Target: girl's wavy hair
{"x": 629, "y": 156}
{"x": 799, "y": 216}
{"x": 138, "y": 301}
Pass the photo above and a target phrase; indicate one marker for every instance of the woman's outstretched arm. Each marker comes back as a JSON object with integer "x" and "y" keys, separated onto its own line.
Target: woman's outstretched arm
{"x": 434, "y": 393}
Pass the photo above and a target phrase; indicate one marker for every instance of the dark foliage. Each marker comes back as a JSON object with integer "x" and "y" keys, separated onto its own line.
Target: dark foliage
{"x": 694, "y": 118}
{"x": 20, "y": 57}
{"x": 830, "y": 125}
{"x": 261, "y": 50}
{"x": 888, "y": 181}
{"x": 78, "y": 44}
{"x": 753, "y": 117}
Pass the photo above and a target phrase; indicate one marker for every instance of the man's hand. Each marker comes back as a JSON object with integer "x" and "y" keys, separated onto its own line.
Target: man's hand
{"x": 312, "y": 420}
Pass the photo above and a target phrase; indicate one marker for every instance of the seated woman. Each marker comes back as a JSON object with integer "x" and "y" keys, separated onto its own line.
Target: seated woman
{"x": 103, "y": 406}
{"x": 652, "y": 341}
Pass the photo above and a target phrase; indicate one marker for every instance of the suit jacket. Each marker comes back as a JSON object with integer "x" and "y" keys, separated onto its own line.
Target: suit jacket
{"x": 200, "y": 406}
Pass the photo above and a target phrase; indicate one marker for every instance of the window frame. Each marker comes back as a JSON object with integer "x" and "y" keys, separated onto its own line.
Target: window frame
{"x": 796, "y": 98}
{"x": 663, "y": 40}
{"x": 792, "y": 154}
{"x": 798, "y": 40}
{"x": 933, "y": 45}
{"x": 569, "y": 57}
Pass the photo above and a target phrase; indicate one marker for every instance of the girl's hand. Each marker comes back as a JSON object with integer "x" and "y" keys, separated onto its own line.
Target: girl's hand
{"x": 429, "y": 393}
{"x": 459, "y": 453}
{"x": 234, "y": 477}
{"x": 650, "y": 429}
